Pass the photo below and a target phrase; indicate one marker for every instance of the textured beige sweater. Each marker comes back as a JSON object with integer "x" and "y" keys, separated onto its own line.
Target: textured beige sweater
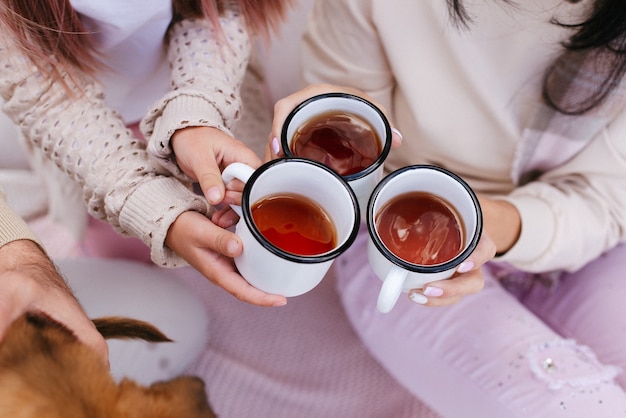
{"x": 12, "y": 227}
{"x": 81, "y": 139}
{"x": 468, "y": 100}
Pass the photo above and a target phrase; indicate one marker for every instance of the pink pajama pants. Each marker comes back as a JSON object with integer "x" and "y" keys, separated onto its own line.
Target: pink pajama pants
{"x": 555, "y": 352}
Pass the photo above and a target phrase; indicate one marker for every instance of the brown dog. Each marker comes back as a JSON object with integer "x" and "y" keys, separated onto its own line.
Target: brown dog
{"x": 45, "y": 372}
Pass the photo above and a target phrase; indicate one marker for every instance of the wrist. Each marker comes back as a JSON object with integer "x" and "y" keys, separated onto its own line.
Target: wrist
{"x": 502, "y": 222}
{"x": 27, "y": 257}
{"x": 15, "y": 253}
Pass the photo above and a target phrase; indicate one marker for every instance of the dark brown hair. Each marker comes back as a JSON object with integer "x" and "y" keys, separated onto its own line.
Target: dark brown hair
{"x": 599, "y": 39}
{"x": 51, "y": 34}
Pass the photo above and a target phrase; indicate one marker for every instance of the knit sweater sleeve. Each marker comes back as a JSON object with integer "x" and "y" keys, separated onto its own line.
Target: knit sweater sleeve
{"x": 207, "y": 69}
{"x": 90, "y": 142}
{"x": 12, "y": 227}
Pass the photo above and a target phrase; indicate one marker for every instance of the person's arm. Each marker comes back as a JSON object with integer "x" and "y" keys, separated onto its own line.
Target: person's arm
{"x": 189, "y": 130}
{"x": 575, "y": 212}
{"x": 121, "y": 183}
{"x": 30, "y": 282}
{"x": 90, "y": 142}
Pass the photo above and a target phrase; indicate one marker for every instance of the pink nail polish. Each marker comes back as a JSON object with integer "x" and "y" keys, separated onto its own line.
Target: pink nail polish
{"x": 275, "y": 146}
{"x": 465, "y": 266}
{"x": 397, "y": 132}
{"x": 418, "y": 298}
{"x": 433, "y": 291}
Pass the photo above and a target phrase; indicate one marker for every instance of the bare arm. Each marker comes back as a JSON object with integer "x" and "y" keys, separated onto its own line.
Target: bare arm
{"x": 30, "y": 282}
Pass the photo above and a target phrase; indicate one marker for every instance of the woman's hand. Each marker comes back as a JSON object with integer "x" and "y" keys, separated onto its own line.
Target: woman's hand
{"x": 202, "y": 153}
{"x": 287, "y": 104}
{"x": 502, "y": 226}
{"x": 467, "y": 280}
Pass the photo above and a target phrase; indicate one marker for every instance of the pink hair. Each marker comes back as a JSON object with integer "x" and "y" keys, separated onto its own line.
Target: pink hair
{"x": 51, "y": 34}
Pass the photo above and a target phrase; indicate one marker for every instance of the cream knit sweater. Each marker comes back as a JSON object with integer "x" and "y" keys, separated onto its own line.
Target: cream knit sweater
{"x": 81, "y": 139}
{"x": 466, "y": 99}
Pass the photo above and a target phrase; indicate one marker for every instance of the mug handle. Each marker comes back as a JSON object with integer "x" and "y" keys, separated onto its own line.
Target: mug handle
{"x": 391, "y": 289}
{"x": 238, "y": 171}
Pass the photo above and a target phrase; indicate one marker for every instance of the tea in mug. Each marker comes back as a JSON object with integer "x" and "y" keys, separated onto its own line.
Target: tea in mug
{"x": 420, "y": 228}
{"x": 294, "y": 223}
{"x": 342, "y": 141}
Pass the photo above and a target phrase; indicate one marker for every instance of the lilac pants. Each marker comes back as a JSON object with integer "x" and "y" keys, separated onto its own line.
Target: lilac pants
{"x": 554, "y": 352}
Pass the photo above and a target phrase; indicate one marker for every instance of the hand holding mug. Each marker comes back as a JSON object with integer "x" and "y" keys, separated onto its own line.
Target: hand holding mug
{"x": 286, "y": 105}
{"x": 467, "y": 280}
{"x": 296, "y": 217}
{"x": 338, "y": 126}
{"x": 203, "y": 152}
{"x": 423, "y": 222}
{"x": 210, "y": 249}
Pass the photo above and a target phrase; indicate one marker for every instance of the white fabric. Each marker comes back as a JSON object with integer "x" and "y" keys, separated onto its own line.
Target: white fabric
{"x": 130, "y": 35}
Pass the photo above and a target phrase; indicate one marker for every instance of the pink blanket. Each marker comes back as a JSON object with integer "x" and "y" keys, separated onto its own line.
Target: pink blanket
{"x": 300, "y": 360}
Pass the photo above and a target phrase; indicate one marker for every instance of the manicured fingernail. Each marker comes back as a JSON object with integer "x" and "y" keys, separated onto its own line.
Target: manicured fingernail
{"x": 397, "y": 132}
{"x": 433, "y": 291}
{"x": 418, "y": 298}
{"x": 275, "y": 146}
{"x": 280, "y": 303}
{"x": 214, "y": 195}
{"x": 465, "y": 266}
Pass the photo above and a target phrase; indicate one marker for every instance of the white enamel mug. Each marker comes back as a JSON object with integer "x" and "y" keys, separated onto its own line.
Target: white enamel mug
{"x": 364, "y": 181}
{"x": 263, "y": 264}
{"x": 397, "y": 274}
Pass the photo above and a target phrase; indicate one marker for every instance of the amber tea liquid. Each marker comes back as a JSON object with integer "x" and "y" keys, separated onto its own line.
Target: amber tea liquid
{"x": 342, "y": 141}
{"x": 420, "y": 228}
{"x": 294, "y": 223}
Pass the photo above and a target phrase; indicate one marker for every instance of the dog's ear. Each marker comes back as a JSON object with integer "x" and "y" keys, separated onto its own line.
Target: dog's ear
{"x": 183, "y": 396}
{"x": 37, "y": 331}
{"x": 41, "y": 321}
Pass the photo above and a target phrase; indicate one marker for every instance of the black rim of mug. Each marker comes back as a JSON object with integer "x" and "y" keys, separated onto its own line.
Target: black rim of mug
{"x": 303, "y": 259}
{"x": 386, "y": 141}
{"x": 435, "y": 268}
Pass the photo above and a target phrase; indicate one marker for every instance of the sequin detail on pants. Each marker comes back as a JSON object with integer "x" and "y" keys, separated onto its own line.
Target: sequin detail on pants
{"x": 563, "y": 362}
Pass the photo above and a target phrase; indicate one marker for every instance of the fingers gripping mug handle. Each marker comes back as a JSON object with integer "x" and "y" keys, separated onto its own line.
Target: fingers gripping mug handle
{"x": 391, "y": 289}
{"x": 238, "y": 171}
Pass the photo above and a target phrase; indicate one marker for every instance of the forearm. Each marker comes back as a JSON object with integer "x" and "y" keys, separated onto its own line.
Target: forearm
{"x": 30, "y": 282}
{"x": 76, "y": 130}
{"x": 21, "y": 252}
{"x": 207, "y": 72}
{"x": 121, "y": 184}
{"x": 27, "y": 257}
